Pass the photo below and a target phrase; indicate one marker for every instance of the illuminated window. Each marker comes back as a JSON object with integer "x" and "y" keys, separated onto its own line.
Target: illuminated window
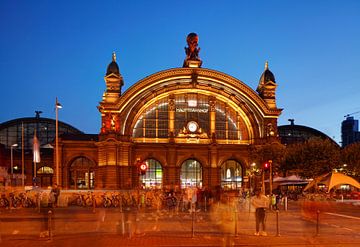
{"x": 153, "y": 175}
{"x": 231, "y": 175}
{"x": 154, "y": 120}
{"x": 82, "y": 173}
{"x": 45, "y": 170}
{"x": 191, "y": 174}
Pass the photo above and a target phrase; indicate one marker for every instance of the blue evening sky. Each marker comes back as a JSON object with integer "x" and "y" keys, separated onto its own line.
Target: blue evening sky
{"x": 62, "y": 48}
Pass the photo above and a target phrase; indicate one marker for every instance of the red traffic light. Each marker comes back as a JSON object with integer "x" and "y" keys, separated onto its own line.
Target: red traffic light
{"x": 266, "y": 165}
{"x": 143, "y": 168}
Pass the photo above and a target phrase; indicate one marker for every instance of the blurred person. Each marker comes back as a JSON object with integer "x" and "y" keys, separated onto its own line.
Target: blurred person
{"x": 54, "y": 195}
{"x": 260, "y": 202}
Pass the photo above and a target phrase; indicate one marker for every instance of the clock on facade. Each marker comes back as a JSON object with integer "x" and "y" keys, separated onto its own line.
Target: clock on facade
{"x": 192, "y": 126}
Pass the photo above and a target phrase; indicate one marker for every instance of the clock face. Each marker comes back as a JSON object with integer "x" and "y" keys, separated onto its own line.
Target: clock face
{"x": 192, "y": 126}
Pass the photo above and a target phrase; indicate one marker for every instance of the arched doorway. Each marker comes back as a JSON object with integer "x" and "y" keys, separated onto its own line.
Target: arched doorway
{"x": 81, "y": 171}
{"x": 45, "y": 175}
{"x": 153, "y": 177}
{"x": 231, "y": 175}
{"x": 191, "y": 174}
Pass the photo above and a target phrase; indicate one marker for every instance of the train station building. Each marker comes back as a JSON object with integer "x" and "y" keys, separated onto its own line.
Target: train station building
{"x": 190, "y": 126}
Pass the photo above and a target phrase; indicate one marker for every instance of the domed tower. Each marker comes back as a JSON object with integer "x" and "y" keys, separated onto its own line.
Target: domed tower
{"x": 113, "y": 80}
{"x": 107, "y": 107}
{"x": 267, "y": 87}
{"x": 110, "y": 148}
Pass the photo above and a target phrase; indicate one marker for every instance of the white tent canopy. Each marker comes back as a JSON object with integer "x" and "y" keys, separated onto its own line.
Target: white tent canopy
{"x": 332, "y": 179}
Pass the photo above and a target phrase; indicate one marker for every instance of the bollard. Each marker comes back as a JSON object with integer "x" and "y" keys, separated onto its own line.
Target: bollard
{"x": 249, "y": 204}
{"x": 49, "y": 224}
{"x": 285, "y": 203}
{"x": 236, "y": 221}
{"x": 39, "y": 202}
{"x": 120, "y": 207}
{"x": 128, "y": 223}
{"x": 205, "y": 204}
{"x": 277, "y": 224}
{"x": 122, "y": 224}
{"x": 192, "y": 222}
{"x": 94, "y": 204}
{"x": 317, "y": 222}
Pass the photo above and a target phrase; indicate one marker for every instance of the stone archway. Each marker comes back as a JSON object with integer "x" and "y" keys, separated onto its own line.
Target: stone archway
{"x": 153, "y": 176}
{"x": 231, "y": 175}
{"x": 82, "y": 173}
{"x": 191, "y": 174}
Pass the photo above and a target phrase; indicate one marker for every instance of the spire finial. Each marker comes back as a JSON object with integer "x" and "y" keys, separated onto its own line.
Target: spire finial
{"x": 114, "y": 56}
{"x": 266, "y": 65}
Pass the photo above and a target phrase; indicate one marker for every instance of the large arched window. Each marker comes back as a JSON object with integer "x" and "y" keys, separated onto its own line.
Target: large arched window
{"x": 154, "y": 121}
{"x": 153, "y": 176}
{"x": 231, "y": 175}
{"x": 82, "y": 173}
{"x": 191, "y": 174}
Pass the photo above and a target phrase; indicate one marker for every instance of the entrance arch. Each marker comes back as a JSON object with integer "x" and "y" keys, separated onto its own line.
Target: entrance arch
{"x": 231, "y": 175}
{"x": 45, "y": 174}
{"x": 81, "y": 173}
{"x": 153, "y": 177}
{"x": 191, "y": 174}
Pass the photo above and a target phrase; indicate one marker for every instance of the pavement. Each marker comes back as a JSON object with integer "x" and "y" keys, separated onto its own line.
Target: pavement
{"x": 220, "y": 225}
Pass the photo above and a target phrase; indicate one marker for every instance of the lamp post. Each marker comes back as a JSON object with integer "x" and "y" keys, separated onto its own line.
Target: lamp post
{"x": 12, "y": 161}
{"x": 57, "y": 107}
{"x": 270, "y": 177}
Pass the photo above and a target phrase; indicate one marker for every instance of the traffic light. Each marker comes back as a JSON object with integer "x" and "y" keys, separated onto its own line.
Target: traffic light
{"x": 266, "y": 166}
{"x": 143, "y": 168}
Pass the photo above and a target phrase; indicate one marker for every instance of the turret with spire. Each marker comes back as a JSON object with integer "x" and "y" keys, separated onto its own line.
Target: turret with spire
{"x": 113, "y": 80}
{"x": 267, "y": 87}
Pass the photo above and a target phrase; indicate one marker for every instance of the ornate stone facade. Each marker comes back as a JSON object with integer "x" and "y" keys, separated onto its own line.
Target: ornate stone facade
{"x": 192, "y": 126}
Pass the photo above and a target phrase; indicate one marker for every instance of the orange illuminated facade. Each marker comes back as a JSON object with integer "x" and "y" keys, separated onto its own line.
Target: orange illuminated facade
{"x": 190, "y": 126}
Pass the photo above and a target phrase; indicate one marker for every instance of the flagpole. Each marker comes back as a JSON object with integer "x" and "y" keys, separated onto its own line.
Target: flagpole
{"x": 22, "y": 154}
{"x": 57, "y": 107}
{"x": 34, "y": 154}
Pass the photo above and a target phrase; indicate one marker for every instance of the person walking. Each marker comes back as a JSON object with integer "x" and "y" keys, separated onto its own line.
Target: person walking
{"x": 260, "y": 202}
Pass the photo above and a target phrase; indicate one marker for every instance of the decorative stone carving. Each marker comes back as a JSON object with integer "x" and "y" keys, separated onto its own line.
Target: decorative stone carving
{"x": 212, "y": 102}
{"x": 171, "y": 104}
{"x": 192, "y": 51}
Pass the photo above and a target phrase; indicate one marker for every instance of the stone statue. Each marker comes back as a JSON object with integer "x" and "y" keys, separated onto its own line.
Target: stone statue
{"x": 192, "y": 51}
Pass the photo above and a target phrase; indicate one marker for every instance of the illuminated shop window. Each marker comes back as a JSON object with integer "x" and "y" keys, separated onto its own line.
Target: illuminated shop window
{"x": 231, "y": 175}
{"x": 191, "y": 174}
{"x": 45, "y": 170}
{"x": 153, "y": 177}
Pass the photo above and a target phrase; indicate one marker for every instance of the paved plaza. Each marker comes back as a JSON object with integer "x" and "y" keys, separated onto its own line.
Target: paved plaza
{"x": 215, "y": 227}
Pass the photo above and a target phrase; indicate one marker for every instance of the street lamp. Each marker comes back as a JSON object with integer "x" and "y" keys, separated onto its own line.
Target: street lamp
{"x": 57, "y": 106}
{"x": 12, "y": 161}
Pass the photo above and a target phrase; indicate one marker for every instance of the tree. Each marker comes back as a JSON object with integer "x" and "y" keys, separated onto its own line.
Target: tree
{"x": 292, "y": 158}
{"x": 270, "y": 151}
{"x": 350, "y": 156}
{"x": 316, "y": 157}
